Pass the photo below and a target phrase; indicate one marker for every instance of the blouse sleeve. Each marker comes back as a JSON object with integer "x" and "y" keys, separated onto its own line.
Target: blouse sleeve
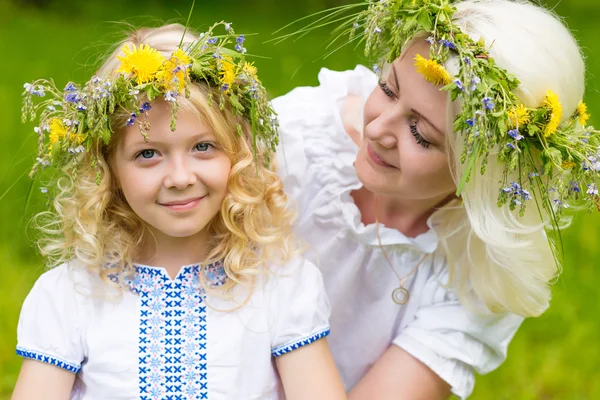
{"x": 48, "y": 329}
{"x": 453, "y": 341}
{"x": 298, "y": 305}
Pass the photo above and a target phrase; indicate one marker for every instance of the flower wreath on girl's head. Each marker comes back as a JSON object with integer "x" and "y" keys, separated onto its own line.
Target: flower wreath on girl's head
{"x": 76, "y": 118}
{"x": 492, "y": 117}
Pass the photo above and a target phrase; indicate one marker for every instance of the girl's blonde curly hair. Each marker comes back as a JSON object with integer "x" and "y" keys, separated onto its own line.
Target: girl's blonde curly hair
{"x": 93, "y": 223}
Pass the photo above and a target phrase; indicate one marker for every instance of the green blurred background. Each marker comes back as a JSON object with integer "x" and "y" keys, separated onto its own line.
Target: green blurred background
{"x": 556, "y": 356}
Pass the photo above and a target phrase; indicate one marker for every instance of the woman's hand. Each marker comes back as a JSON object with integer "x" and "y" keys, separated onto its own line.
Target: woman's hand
{"x": 399, "y": 376}
{"x": 38, "y": 380}
{"x": 310, "y": 373}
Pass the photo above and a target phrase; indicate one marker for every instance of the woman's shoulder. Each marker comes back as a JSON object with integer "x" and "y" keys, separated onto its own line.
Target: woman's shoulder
{"x": 312, "y": 102}
{"x": 315, "y": 152}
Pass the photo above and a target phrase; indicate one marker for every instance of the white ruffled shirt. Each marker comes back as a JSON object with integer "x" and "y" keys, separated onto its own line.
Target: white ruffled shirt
{"x": 315, "y": 160}
{"x": 167, "y": 338}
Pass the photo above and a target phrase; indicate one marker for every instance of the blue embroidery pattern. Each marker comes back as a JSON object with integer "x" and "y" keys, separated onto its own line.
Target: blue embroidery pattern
{"x": 39, "y": 356}
{"x": 286, "y": 348}
{"x": 172, "y": 338}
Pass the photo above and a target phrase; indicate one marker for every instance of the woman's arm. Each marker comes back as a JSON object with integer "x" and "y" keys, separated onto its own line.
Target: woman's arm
{"x": 310, "y": 373}
{"x": 399, "y": 376}
{"x": 39, "y": 380}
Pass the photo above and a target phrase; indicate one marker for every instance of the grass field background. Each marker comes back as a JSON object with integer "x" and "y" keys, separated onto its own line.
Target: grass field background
{"x": 556, "y": 356}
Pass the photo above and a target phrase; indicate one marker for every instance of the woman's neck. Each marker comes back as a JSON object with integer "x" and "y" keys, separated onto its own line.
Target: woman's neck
{"x": 409, "y": 216}
{"x": 172, "y": 253}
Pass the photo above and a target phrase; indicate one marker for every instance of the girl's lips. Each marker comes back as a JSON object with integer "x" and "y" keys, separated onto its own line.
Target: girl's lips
{"x": 376, "y": 159}
{"x": 183, "y": 205}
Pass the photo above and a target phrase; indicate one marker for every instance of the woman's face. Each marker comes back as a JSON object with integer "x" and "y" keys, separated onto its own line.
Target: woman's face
{"x": 403, "y": 152}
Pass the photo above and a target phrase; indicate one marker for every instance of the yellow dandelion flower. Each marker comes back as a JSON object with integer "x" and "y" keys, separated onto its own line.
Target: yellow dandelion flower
{"x": 58, "y": 130}
{"x": 250, "y": 70}
{"x": 582, "y": 115}
{"x": 568, "y": 164}
{"x": 518, "y": 116}
{"x": 227, "y": 73}
{"x": 556, "y": 113}
{"x": 78, "y": 138}
{"x": 172, "y": 74}
{"x": 432, "y": 71}
{"x": 143, "y": 62}
{"x": 182, "y": 56}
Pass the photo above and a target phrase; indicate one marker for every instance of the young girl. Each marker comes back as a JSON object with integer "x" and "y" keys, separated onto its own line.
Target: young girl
{"x": 433, "y": 192}
{"x": 178, "y": 277}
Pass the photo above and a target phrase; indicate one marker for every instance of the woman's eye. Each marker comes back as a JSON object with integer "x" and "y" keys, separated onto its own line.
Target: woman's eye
{"x": 146, "y": 154}
{"x": 203, "y": 146}
{"x": 386, "y": 89}
{"x": 418, "y": 138}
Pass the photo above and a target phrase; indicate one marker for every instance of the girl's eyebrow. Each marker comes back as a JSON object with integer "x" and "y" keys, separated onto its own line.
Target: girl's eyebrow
{"x": 419, "y": 114}
{"x": 200, "y": 136}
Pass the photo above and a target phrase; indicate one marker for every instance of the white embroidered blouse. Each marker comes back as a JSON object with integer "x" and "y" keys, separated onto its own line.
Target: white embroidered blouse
{"x": 164, "y": 338}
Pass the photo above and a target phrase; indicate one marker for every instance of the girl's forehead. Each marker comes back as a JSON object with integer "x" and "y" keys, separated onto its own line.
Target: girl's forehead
{"x": 189, "y": 126}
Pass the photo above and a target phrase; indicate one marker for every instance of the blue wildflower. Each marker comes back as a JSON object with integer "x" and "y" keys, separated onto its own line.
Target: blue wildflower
{"x": 575, "y": 187}
{"x": 592, "y": 189}
{"x": 470, "y": 122}
{"x": 514, "y": 133}
{"x": 377, "y": 30}
{"x": 170, "y": 96}
{"x": 510, "y": 146}
{"x": 430, "y": 40}
{"x": 488, "y": 103}
{"x": 239, "y": 48}
{"x": 459, "y": 84}
{"x": 475, "y": 80}
{"x": 240, "y": 39}
{"x": 225, "y": 87}
{"x": 376, "y": 69}
{"x": 227, "y": 26}
{"x": 448, "y": 44}
{"x": 71, "y": 97}
{"x": 70, "y": 87}
{"x": 467, "y": 60}
{"x": 81, "y": 107}
{"x": 145, "y": 107}
{"x": 131, "y": 119}
{"x": 211, "y": 41}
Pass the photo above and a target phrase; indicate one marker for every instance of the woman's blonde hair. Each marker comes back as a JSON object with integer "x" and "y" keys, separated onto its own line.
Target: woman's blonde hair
{"x": 495, "y": 256}
{"x": 93, "y": 223}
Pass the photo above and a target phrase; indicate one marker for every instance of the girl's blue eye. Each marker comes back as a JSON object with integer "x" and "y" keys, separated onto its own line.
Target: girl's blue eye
{"x": 203, "y": 146}
{"x": 147, "y": 154}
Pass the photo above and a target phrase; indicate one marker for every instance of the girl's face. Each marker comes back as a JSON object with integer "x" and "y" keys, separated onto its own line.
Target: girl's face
{"x": 177, "y": 181}
{"x": 403, "y": 152}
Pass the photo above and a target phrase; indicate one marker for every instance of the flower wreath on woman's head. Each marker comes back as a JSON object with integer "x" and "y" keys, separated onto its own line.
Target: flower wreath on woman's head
{"x": 556, "y": 161}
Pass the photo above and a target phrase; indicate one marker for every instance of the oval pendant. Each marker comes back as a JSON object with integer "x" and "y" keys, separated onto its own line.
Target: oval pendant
{"x": 400, "y": 295}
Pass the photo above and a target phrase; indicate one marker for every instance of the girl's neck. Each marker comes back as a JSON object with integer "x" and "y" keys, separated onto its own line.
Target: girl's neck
{"x": 172, "y": 253}
{"x": 409, "y": 216}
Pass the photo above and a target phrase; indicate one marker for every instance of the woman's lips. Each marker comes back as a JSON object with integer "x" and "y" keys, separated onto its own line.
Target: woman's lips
{"x": 375, "y": 158}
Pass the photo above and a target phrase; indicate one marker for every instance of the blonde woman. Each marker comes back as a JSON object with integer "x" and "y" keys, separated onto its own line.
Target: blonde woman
{"x": 432, "y": 191}
{"x": 175, "y": 275}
